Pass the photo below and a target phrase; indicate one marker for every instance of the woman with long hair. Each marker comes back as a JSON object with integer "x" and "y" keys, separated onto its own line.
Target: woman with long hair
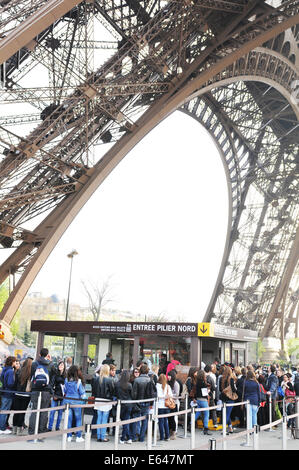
{"x": 261, "y": 414}
{"x": 201, "y": 398}
{"x": 163, "y": 391}
{"x": 134, "y": 374}
{"x": 191, "y": 385}
{"x": 175, "y": 388}
{"x": 227, "y": 389}
{"x": 123, "y": 391}
{"x": 253, "y": 395}
{"x": 57, "y": 383}
{"x": 105, "y": 390}
{"x": 21, "y": 400}
{"x": 73, "y": 391}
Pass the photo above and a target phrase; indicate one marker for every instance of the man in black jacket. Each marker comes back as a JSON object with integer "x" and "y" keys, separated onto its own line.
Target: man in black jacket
{"x": 41, "y": 372}
{"x": 138, "y": 393}
{"x": 109, "y": 359}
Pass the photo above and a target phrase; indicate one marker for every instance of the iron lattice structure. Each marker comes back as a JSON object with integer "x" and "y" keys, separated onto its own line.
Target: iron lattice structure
{"x": 83, "y": 81}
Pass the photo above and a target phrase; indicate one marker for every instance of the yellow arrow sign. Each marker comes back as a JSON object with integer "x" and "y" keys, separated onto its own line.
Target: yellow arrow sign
{"x": 205, "y": 329}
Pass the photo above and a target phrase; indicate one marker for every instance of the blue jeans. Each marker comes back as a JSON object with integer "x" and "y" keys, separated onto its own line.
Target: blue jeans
{"x": 203, "y": 404}
{"x": 52, "y": 414}
{"x": 126, "y": 430}
{"x": 228, "y": 412}
{"x": 5, "y": 405}
{"x": 76, "y": 412}
{"x": 163, "y": 423}
{"x": 253, "y": 409}
{"x": 144, "y": 410}
{"x": 102, "y": 419}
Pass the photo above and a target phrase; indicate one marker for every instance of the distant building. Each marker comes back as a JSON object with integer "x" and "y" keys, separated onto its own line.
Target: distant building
{"x": 37, "y": 307}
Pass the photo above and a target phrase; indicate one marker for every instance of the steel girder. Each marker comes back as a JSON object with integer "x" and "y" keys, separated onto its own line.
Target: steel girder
{"x": 232, "y": 65}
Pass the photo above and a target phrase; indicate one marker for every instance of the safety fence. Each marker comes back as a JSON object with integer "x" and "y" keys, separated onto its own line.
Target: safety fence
{"x": 251, "y": 435}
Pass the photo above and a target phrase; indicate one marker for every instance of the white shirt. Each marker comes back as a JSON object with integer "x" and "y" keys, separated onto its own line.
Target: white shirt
{"x": 162, "y": 394}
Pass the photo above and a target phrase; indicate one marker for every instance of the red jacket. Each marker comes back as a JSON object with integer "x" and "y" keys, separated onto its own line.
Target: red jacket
{"x": 172, "y": 366}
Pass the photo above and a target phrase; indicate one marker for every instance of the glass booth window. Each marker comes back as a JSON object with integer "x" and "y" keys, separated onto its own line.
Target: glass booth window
{"x": 93, "y": 352}
{"x": 56, "y": 345}
{"x": 151, "y": 348}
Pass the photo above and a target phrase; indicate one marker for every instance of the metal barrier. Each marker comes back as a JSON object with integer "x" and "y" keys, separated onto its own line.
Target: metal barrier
{"x": 154, "y": 417}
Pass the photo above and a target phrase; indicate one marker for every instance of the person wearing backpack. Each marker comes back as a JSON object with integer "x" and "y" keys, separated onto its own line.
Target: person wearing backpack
{"x": 41, "y": 371}
{"x": 73, "y": 392}
{"x": 140, "y": 391}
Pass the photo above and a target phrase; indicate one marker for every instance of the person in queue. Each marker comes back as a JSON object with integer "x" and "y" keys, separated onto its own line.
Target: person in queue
{"x": 57, "y": 384}
{"x": 104, "y": 388}
{"x": 175, "y": 389}
{"x": 123, "y": 391}
{"x": 8, "y": 380}
{"x": 253, "y": 395}
{"x": 227, "y": 391}
{"x": 139, "y": 393}
{"x": 201, "y": 399}
{"x": 74, "y": 391}
{"x": 41, "y": 371}
{"x": 21, "y": 398}
{"x": 163, "y": 392}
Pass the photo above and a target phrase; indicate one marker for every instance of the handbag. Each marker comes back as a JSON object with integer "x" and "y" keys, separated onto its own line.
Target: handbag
{"x": 229, "y": 393}
{"x": 289, "y": 393}
{"x": 170, "y": 403}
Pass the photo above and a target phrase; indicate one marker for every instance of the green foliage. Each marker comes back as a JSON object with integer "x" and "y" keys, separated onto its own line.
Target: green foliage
{"x": 15, "y": 324}
{"x": 260, "y": 349}
{"x": 4, "y": 293}
{"x": 293, "y": 347}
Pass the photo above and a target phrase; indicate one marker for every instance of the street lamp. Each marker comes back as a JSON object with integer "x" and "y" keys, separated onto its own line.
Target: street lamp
{"x": 71, "y": 256}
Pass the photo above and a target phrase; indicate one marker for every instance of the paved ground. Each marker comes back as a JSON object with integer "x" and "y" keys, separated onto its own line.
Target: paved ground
{"x": 268, "y": 441}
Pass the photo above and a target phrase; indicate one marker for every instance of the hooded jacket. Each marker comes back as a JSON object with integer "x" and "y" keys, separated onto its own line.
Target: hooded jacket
{"x": 172, "y": 365}
{"x": 8, "y": 381}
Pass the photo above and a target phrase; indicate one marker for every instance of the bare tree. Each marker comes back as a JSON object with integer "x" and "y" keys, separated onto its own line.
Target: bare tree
{"x": 98, "y": 296}
{"x": 162, "y": 317}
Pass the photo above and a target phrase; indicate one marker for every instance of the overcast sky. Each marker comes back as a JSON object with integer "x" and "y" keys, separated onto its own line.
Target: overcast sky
{"x": 157, "y": 226}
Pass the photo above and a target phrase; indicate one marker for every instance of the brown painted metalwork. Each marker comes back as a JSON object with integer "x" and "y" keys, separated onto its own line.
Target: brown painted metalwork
{"x": 232, "y": 65}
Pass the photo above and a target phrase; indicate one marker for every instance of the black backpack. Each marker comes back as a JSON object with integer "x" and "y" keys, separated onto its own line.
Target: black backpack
{"x": 150, "y": 390}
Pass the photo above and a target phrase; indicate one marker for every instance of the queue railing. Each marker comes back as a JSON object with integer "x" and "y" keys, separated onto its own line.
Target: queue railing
{"x": 153, "y": 419}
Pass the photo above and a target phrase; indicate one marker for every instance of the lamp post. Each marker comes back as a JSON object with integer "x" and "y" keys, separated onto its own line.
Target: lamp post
{"x": 71, "y": 256}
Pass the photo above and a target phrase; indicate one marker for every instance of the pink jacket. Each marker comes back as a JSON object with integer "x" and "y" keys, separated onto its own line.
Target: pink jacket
{"x": 172, "y": 366}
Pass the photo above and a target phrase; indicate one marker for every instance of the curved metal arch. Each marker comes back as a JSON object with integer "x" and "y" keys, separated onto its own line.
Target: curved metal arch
{"x": 191, "y": 109}
{"x": 62, "y": 216}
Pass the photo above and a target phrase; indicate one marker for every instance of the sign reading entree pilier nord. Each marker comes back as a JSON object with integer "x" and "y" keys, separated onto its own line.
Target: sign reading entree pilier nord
{"x": 139, "y": 328}
{"x": 112, "y": 328}
{"x": 144, "y": 329}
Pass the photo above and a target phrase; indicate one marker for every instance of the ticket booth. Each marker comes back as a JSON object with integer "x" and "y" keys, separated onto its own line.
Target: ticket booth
{"x": 194, "y": 343}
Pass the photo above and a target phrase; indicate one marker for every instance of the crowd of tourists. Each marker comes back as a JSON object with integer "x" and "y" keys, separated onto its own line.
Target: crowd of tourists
{"x": 268, "y": 390}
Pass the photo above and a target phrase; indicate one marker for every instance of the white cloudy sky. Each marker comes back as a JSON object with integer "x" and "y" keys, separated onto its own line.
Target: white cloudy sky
{"x": 156, "y": 225}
